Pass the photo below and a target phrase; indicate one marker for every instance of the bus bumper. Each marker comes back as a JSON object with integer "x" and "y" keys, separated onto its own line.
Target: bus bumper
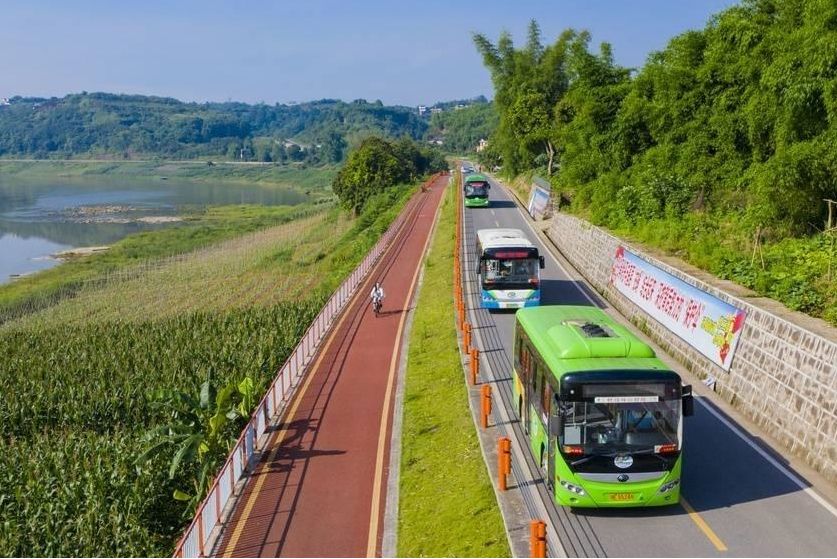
{"x": 490, "y": 301}
{"x": 608, "y": 496}
{"x": 476, "y": 203}
{"x": 509, "y": 304}
{"x": 659, "y": 492}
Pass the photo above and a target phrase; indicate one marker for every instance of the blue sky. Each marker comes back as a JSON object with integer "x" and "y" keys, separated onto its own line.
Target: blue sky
{"x": 258, "y": 51}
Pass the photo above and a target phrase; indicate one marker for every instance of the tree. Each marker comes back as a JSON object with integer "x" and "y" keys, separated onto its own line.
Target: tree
{"x": 278, "y": 153}
{"x": 369, "y": 169}
{"x": 334, "y": 147}
{"x": 528, "y": 84}
{"x": 378, "y": 164}
{"x": 295, "y": 152}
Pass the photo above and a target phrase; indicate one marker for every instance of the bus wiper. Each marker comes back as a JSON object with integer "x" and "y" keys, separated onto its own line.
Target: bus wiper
{"x": 650, "y": 451}
{"x": 591, "y": 456}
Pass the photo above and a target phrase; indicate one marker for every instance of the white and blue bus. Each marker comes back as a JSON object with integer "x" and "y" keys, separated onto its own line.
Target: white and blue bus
{"x": 508, "y": 269}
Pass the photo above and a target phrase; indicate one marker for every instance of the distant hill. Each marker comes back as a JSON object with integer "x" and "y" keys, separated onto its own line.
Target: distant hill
{"x": 137, "y": 126}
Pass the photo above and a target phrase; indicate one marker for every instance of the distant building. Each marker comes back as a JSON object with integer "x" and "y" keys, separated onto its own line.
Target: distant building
{"x": 4, "y": 101}
{"x": 459, "y": 107}
{"x": 436, "y": 110}
{"x": 483, "y": 143}
{"x": 289, "y": 143}
{"x": 421, "y": 110}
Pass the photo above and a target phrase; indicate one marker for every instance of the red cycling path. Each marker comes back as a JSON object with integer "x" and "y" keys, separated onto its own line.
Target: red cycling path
{"x": 320, "y": 489}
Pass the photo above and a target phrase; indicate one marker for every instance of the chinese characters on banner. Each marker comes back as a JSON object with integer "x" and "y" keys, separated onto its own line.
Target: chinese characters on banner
{"x": 705, "y": 322}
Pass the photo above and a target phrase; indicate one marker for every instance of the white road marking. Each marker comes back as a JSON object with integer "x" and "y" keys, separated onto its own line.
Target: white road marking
{"x": 743, "y": 436}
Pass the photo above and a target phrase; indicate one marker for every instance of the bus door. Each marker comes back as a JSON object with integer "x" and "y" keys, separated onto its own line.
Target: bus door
{"x": 533, "y": 398}
{"x": 526, "y": 369}
{"x": 553, "y": 427}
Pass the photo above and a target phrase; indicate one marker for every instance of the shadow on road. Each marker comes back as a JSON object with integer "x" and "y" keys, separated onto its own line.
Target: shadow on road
{"x": 498, "y": 204}
{"x": 566, "y": 292}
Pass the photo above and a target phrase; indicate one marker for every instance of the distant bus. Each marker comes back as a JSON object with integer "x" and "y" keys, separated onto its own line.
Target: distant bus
{"x": 603, "y": 415}
{"x": 508, "y": 269}
{"x": 475, "y": 188}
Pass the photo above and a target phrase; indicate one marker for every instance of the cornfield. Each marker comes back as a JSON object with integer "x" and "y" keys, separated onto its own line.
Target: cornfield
{"x": 75, "y": 406}
{"x": 78, "y": 374}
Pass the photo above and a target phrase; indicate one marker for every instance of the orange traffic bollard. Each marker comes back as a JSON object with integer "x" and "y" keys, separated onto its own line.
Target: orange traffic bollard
{"x": 485, "y": 404}
{"x": 475, "y": 365}
{"x": 537, "y": 538}
{"x": 467, "y": 337}
{"x": 503, "y": 461}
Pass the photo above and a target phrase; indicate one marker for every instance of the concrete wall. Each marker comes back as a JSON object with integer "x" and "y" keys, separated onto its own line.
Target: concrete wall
{"x": 783, "y": 375}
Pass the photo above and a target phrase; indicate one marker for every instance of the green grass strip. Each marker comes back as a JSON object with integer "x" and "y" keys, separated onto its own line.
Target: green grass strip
{"x": 447, "y": 507}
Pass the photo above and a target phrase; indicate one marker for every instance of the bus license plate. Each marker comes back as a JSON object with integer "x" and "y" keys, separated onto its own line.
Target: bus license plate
{"x": 621, "y": 496}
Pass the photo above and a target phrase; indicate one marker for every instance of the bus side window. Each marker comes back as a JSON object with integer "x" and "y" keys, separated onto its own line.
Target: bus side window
{"x": 527, "y": 362}
{"x": 546, "y": 395}
{"x": 518, "y": 354}
{"x": 537, "y": 381}
{"x": 555, "y": 417}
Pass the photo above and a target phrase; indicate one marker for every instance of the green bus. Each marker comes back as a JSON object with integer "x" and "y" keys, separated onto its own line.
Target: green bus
{"x": 602, "y": 414}
{"x": 475, "y": 189}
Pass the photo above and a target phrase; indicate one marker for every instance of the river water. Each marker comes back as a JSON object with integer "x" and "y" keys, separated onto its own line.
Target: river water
{"x": 39, "y": 217}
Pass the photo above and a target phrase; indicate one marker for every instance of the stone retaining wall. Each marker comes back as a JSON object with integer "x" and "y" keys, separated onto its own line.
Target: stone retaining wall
{"x": 783, "y": 376}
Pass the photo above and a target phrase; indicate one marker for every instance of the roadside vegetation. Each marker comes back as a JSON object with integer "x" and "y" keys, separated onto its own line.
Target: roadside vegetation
{"x": 447, "y": 506}
{"x": 377, "y": 164}
{"x": 120, "y": 402}
{"x": 719, "y": 150}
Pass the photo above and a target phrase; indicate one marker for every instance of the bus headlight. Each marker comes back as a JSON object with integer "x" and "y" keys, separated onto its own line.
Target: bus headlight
{"x": 570, "y": 487}
{"x": 666, "y": 487}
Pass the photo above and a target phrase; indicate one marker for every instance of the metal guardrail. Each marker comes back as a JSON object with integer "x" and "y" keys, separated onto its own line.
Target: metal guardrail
{"x": 210, "y": 513}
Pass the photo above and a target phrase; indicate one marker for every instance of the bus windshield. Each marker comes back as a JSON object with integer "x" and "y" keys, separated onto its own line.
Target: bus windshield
{"x": 476, "y": 190}
{"x": 510, "y": 273}
{"x": 629, "y": 418}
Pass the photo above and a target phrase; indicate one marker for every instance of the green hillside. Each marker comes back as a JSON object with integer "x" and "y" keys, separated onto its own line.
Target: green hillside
{"x": 136, "y": 126}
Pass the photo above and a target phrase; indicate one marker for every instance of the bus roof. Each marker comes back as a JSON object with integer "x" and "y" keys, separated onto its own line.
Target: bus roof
{"x": 476, "y": 178}
{"x": 503, "y": 238}
{"x": 576, "y": 338}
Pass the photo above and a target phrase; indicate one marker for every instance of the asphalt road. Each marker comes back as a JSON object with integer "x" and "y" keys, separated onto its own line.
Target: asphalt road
{"x": 738, "y": 498}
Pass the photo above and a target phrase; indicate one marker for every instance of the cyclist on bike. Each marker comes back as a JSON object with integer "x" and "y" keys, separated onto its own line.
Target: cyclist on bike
{"x": 377, "y": 295}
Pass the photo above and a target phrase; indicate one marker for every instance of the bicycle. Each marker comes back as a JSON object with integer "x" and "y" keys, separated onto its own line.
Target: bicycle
{"x": 376, "y": 306}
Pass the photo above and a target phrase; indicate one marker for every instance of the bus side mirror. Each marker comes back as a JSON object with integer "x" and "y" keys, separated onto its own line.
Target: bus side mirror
{"x": 688, "y": 401}
{"x": 542, "y": 262}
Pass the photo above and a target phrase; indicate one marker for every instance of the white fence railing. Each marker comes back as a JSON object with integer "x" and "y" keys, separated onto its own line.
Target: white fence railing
{"x": 200, "y": 533}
